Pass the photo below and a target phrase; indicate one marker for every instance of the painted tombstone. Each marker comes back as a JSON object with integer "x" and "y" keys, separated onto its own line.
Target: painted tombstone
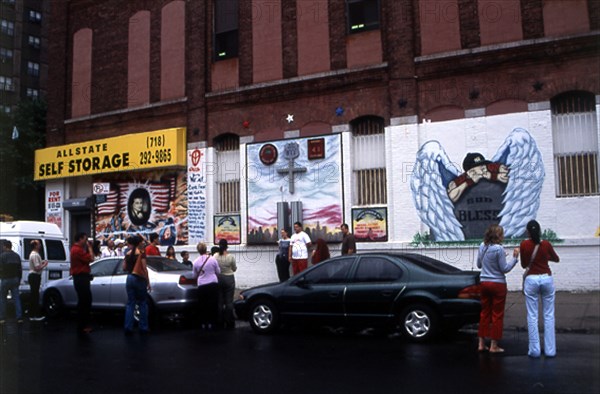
{"x": 458, "y": 206}
{"x": 284, "y": 171}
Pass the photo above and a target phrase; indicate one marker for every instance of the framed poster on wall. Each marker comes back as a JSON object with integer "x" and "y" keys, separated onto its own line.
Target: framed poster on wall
{"x": 370, "y": 224}
{"x": 228, "y": 227}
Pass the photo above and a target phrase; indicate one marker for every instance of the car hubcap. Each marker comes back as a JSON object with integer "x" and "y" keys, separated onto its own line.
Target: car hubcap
{"x": 262, "y": 316}
{"x": 417, "y": 324}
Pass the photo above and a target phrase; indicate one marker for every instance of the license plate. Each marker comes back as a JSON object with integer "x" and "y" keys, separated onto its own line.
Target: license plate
{"x": 54, "y": 275}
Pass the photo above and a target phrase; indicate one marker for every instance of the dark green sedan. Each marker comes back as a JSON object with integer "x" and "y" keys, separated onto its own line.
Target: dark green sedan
{"x": 416, "y": 294}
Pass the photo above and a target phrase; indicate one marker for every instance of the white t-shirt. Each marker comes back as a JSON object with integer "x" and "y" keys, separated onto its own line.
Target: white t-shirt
{"x": 298, "y": 243}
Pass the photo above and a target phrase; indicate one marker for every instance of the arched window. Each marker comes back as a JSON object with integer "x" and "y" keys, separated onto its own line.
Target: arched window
{"x": 227, "y": 149}
{"x": 575, "y": 140}
{"x": 368, "y": 161}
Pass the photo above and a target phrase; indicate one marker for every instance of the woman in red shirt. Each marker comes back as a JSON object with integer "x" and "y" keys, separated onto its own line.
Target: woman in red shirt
{"x": 535, "y": 255}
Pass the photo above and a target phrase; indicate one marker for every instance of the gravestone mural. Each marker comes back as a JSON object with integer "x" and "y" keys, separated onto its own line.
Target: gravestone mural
{"x": 459, "y": 205}
{"x": 304, "y": 170}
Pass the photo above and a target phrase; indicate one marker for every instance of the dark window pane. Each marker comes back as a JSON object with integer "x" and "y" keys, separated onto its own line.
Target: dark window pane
{"x": 27, "y": 249}
{"x": 226, "y": 45}
{"x": 376, "y": 269}
{"x": 332, "y": 271}
{"x": 56, "y": 250}
{"x": 363, "y": 15}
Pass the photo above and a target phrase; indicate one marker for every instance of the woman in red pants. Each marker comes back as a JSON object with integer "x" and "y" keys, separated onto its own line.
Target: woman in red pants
{"x": 492, "y": 261}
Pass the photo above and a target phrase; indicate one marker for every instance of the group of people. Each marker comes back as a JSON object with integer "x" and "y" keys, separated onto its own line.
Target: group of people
{"x": 537, "y": 284}
{"x": 10, "y": 278}
{"x": 294, "y": 250}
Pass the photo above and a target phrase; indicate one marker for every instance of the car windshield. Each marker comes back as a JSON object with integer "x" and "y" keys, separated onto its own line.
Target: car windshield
{"x": 166, "y": 265}
{"x": 430, "y": 264}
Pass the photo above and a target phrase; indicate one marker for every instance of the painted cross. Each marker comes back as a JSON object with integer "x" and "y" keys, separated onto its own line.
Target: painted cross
{"x": 290, "y": 153}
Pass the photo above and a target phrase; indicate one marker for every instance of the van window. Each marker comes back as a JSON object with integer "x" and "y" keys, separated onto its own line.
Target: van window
{"x": 27, "y": 248}
{"x": 56, "y": 250}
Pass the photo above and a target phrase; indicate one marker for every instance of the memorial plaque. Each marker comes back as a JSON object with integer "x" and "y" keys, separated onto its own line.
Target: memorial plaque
{"x": 478, "y": 207}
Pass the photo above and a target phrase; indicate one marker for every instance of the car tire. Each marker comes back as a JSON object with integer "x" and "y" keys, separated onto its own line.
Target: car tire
{"x": 53, "y": 303}
{"x": 418, "y": 323}
{"x": 264, "y": 317}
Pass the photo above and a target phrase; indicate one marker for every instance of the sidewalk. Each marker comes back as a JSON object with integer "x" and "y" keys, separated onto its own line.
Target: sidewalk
{"x": 574, "y": 312}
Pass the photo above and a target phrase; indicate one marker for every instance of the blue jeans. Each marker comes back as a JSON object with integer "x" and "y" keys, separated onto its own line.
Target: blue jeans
{"x": 137, "y": 293}
{"x": 11, "y": 284}
{"x": 537, "y": 286}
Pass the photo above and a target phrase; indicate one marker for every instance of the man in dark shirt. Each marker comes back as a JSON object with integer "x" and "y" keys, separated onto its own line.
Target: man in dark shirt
{"x": 152, "y": 248}
{"x": 348, "y": 243}
{"x": 10, "y": 278}
{"x": 80, "y": 270}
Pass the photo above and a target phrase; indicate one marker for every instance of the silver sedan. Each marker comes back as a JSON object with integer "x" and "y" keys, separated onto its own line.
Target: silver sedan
{"x": 173, "y": 288}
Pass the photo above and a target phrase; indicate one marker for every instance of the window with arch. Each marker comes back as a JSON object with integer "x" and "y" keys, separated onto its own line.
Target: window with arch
{"x": 575, "y": 140}
{"x": 227, "y": 153}
{"x": 368, "y": 161}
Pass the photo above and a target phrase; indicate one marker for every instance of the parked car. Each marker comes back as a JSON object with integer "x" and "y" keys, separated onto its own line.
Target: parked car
{"x": 414, "y": 294}
{"x": 173, "y": 288}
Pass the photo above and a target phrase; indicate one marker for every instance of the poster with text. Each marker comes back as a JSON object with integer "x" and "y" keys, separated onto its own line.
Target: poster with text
{"x": 228, "y": 227}
{"x": 196, "y": 196}
{"x": 54, "y": 210}
{"x": 370, "y": 224}
{"x": 143, "y": 203}
{"x": 288, "y": 170}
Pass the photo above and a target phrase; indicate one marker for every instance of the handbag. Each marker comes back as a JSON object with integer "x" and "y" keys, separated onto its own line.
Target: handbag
{"x": 535, "y": 250}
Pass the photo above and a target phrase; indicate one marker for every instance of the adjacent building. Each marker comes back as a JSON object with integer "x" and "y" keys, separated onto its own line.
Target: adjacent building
{"x": 417, "y": 122}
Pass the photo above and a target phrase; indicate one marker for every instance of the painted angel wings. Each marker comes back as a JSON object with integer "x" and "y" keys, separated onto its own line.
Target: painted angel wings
{"x": 431, "y": 175}
{"x": 521, "y": 198}
{"x": 434, "y": 171}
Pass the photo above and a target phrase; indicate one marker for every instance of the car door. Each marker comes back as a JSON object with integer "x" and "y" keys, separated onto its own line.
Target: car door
{"x": 370, "y": 295}
{"x": 317, "y": 296}
{"x": 118, "y": 287}
{"x": 102, "y": 271}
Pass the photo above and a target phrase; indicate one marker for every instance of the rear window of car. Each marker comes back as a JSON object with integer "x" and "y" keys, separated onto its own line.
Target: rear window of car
{"x": 429, "y": 264}
{"x": 166, "y": 265}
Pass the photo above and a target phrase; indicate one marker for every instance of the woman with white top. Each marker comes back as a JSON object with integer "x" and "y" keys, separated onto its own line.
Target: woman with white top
{"x": 492, "y": 261}
{"x": 226, "y": 283}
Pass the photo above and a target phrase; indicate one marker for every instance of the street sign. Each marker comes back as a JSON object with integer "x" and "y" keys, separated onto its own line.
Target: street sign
{"x": 101, "y": 188}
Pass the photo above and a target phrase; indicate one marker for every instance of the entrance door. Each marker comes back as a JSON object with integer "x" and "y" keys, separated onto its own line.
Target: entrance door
{"x": 80, "y": 223}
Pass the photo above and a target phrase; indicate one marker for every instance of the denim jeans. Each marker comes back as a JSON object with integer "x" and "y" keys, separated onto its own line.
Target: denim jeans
{"x": 137, "y": 293}
{"x": 11, "y": 284}
{"x": 537, "y": 286}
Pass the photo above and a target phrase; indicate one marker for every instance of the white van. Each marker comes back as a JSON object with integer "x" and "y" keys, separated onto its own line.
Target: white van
{"x": 54, "y": 248}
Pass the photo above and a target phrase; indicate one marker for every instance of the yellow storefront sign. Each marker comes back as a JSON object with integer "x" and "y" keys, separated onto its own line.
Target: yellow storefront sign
{"x": 155, "y": 149}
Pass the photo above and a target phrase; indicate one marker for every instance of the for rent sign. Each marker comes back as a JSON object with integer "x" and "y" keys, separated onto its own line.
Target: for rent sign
{"x": 161, "y": 148}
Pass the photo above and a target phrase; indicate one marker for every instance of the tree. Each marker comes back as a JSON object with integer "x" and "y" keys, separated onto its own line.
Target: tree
{"x": 20, "y": 196}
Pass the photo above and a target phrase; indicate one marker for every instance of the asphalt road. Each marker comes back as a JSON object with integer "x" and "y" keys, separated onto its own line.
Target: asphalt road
{"x": 50, "y": 358}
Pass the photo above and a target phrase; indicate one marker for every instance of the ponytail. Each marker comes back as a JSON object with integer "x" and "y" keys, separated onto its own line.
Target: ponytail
{"x": 535, "y": 234}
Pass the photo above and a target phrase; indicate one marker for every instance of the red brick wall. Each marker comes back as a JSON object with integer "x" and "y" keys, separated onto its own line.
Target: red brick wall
{"x": 172, "y": 51}
{"x": 364, "y": 49}
{"x": 565, "y": 17}
{"x": 500, "y": 21}
{"x": 81, "y": 82}
{"x": 313, "y": 37}
{"x": 138, "y": 64}
{"x": 266, "y": 46}
{"x": 439, "y": 26}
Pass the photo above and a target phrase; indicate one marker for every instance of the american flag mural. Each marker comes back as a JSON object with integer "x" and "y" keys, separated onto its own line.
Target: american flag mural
{"x": 164, "y": 208}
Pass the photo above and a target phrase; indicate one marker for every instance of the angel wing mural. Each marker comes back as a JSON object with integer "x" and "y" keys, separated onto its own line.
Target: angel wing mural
{"x": 458, "y": 206}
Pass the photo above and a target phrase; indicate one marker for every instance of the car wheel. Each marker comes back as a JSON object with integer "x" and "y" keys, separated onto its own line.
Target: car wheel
{"x": 418, "y": 323}
{"x": 53, "y": 303}
{"x": 264, "y": 318}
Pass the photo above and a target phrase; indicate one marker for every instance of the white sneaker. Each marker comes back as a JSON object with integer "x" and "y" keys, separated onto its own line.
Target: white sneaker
{"x": 39, "y": 318}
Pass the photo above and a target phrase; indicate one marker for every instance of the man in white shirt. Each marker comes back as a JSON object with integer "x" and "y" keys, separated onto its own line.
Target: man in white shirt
{"x": 299, "y": 244}
{"x": 109, "y": 250}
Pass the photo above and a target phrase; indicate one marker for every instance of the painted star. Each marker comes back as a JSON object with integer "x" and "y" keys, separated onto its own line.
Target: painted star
{"x": 339, "y": 111}
{"x": 290, "y": 118}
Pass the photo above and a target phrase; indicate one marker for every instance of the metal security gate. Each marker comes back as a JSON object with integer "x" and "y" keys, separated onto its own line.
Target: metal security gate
{"x": 368, "y": 162}
{"x": 228, "y": 173}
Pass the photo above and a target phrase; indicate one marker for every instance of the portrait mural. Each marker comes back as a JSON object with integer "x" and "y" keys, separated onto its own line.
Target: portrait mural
{"x": 306, "y": 170}
{"x": 153, "y": 202}
{"x": 505, "y": 190}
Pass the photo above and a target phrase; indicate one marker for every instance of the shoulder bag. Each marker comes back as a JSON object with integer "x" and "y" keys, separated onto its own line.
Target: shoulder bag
{"x": 535, "y": 250}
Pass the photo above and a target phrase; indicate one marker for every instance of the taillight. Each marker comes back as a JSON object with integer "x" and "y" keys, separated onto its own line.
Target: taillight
{"x": 183, "y": 280}
{"x": 471, "y": 292}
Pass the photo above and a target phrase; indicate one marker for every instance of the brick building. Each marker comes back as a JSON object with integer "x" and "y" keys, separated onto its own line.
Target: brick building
{"x": 195, "y": 108}
{"x": 23, "y": 76}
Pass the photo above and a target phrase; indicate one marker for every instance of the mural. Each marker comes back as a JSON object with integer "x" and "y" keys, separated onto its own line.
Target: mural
{"x": 369, "y": 224}
{"x": 153, "y": 203}
{"x": 458, "y": 206}
{"x": 304, "y": 169}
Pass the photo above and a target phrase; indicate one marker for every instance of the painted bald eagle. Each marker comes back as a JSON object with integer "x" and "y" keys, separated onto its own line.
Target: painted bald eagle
{"x": 437, "y": 184}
